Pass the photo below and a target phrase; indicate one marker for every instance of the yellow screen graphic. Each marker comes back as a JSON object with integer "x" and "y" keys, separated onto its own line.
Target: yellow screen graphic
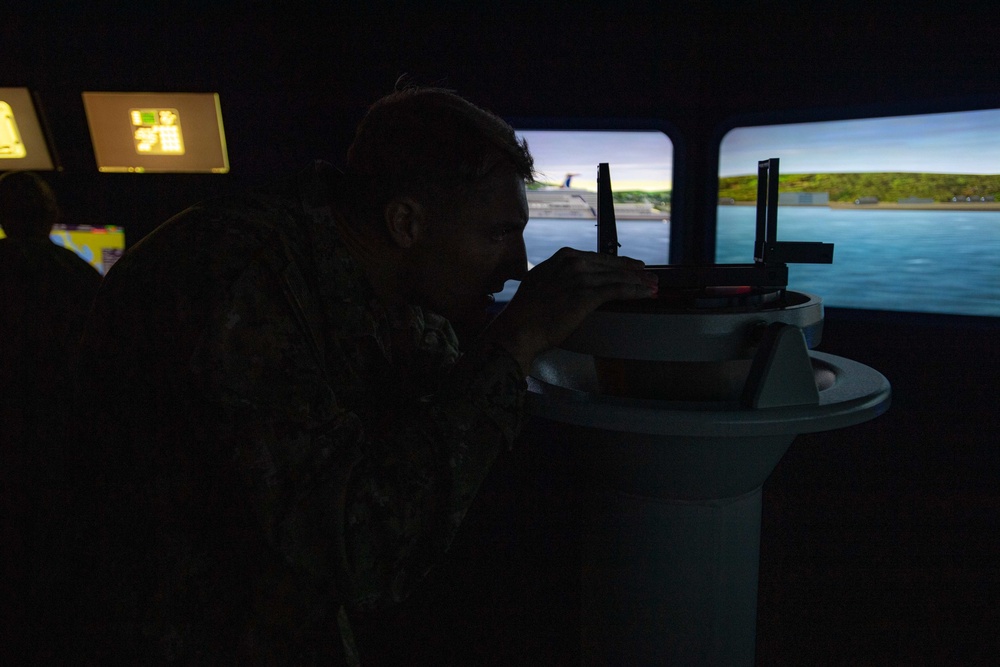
{"x": 157, "y": 131}
{"x": 100, "y": 246}
{"x": 11, "y": 146}
{"x": 136, "y": 133}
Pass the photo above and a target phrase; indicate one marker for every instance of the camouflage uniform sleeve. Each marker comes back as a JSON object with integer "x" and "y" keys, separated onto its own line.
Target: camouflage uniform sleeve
{"x": 279, "y": 425}
{"x": 409, "y": 495}
{"x": 359, "y": 509}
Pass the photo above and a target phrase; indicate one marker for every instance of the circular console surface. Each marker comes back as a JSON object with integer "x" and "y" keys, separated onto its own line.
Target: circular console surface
{"x": 563, "y": 387}
{"x": 709, "y": 325}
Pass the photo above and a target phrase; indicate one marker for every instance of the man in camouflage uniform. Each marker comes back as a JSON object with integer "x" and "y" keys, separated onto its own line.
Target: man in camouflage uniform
{"x": 291, "y": 429}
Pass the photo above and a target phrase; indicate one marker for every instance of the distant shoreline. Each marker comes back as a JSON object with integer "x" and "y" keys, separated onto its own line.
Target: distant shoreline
{"x": 893, "y": 206}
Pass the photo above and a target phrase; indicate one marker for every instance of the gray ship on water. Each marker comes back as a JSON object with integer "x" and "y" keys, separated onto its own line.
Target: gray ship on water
{"x": 572, "y": 203}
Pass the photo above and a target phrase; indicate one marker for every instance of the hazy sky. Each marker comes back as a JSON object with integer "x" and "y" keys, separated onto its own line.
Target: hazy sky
{"x": 639, "y": 160}
{"x": 963, "y": 143}
{"x": 967, "y": 142}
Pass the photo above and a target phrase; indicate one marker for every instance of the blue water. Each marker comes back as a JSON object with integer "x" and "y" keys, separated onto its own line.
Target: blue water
{"x": 918, "y": 261}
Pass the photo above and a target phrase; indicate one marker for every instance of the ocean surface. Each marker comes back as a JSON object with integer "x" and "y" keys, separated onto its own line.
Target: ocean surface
{"x": 916, "y": 261}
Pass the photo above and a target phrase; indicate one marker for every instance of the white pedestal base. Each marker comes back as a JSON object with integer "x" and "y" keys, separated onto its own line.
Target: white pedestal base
{"x": 670, "y": 582}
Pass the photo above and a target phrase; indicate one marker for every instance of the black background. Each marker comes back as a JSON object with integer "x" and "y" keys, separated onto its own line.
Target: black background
{"x": 880, "y": 542}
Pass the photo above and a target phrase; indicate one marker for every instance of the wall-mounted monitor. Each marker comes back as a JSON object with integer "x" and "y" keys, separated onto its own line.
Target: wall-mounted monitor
{"x": 157, "y": 132}
{"x": 100, "y": 246}
{"x": 22, "y": 140}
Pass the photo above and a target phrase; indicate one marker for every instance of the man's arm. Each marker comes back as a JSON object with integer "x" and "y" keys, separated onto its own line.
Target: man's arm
{"x": 360, "y": 505}
{"x": 557, "y": 295}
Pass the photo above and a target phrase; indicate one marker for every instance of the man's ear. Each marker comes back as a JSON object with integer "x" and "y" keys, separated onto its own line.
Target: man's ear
{"x": 405, "y": 220}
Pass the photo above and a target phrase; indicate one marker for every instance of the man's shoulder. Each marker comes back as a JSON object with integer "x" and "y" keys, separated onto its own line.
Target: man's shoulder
{"x": 223, "y": 234}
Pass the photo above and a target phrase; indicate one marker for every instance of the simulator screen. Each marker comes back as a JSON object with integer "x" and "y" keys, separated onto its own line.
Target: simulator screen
{"x": 911, "y": 202}
{"x": 157, "y": 132}
{"x": 562, "y": 202}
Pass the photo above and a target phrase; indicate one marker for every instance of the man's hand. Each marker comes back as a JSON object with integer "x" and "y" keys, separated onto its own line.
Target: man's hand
{"x": 558, "y": 294}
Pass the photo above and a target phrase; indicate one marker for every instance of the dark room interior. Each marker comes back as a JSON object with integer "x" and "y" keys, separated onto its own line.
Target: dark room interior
{"x": 880, "y": 543}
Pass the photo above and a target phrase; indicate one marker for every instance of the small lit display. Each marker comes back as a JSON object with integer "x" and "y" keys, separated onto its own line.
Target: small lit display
{"x": 11, "y": 146}
{"x": 22, "y": 142}
{"x": 100, "y": 246}
{"x": 157, "y": 132}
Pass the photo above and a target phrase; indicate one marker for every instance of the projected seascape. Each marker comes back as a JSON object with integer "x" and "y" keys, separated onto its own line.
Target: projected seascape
{"x": 938, "y": 269}
{"x": 566, "y": 165}
{"x": 910, "y": 201}
{"x": 912, "y": 204}
{"x": 885, "y": 260}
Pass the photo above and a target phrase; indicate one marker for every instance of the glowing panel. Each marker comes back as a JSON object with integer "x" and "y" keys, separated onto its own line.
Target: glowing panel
{"x": 11, "y": 146}
{"x": 22, "y": 141}
{"x": 157, "y": 132}
{"x": 100, "y": 246}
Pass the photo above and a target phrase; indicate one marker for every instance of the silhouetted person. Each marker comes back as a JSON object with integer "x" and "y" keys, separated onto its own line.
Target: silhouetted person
{"x": 301, "y": 391}
{"x": 45, "y": 293}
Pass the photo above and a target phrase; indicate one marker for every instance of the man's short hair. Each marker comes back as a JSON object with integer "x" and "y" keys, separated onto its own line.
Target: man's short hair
{"x": 28, "y": 206}
{"x": 433, "y": 145}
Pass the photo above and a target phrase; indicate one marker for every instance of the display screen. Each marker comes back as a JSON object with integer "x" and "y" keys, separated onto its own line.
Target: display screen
{"x": 22, "y": 141}
{"x": 157, "y": 132}
{"x": 100, "y": 246}
{"x": 912, "y": 204}
{"x": 562, "y": 202}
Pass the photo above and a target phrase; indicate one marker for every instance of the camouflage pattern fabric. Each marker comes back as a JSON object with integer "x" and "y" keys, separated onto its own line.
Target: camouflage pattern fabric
{"x": 268, "y": 442}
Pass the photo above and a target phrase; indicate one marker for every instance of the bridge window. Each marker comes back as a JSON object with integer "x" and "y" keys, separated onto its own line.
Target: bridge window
{"x": 563, "y": 201}
{"x": 911, "y": 202}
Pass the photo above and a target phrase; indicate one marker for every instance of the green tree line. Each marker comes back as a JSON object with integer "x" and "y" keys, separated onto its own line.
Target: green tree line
{"x": 658, "y": 199}
{"x": 887, "y": 186}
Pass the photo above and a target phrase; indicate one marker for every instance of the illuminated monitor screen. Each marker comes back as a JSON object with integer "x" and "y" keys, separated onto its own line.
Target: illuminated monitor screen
{"x": 22, "y": 141}
{"x": 912, "y": 204}
{"x": 100, "y": 246}
{"x": 157, "y": 132}
{"x": 563, "y": 200}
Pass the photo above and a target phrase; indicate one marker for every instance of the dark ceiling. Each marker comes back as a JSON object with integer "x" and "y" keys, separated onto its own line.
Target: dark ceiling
{"x": 295, "y": 77}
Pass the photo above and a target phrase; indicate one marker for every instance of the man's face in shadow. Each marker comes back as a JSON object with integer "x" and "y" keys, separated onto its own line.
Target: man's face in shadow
{"x": 468, "y": 250}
